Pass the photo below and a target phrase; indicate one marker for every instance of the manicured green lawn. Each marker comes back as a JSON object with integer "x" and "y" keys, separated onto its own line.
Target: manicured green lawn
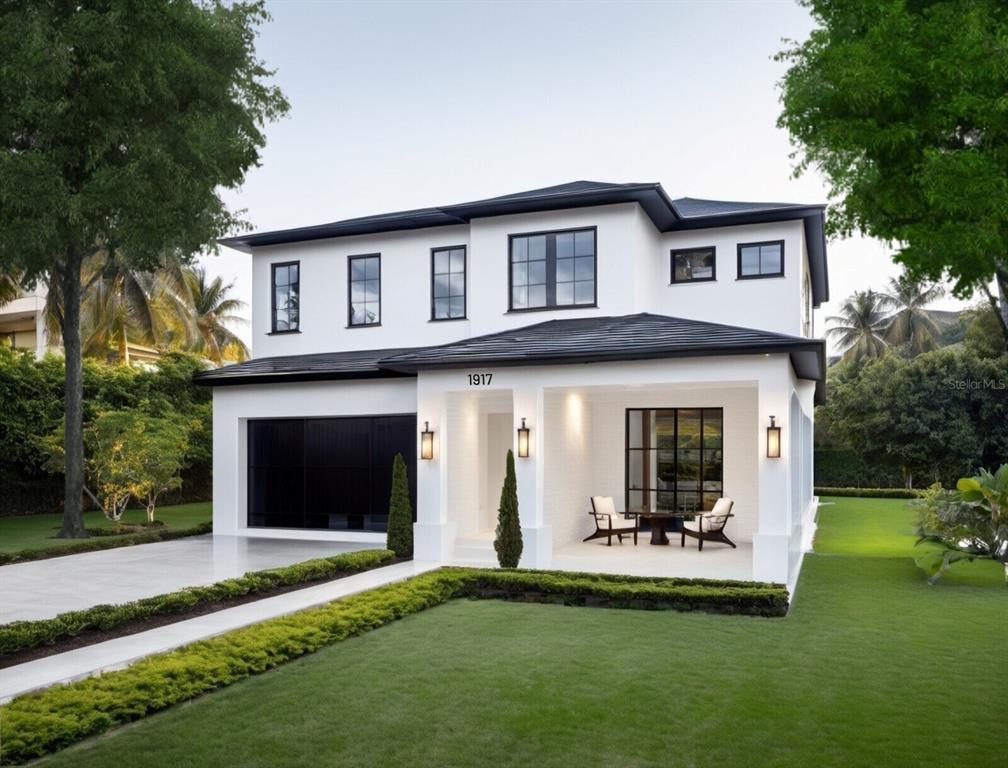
{"x": 871, "y": 667}
{"x": 39, "y": 531}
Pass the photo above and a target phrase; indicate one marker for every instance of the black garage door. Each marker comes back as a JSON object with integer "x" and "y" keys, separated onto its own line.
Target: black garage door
{"x": 327, "y": 473}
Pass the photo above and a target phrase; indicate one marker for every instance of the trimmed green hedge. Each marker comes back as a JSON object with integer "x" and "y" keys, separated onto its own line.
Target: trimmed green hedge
{"x": 45, "y": 721}
{"x": 20, "y": 635}
{"x": 749, "y": 598}
{"x": 843, "y": 468}
{"x": 105, "y": 542}
{"x": 869, "y": 493}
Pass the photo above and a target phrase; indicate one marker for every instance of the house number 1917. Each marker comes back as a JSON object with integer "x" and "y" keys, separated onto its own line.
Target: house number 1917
{"x": 480, "y": 379}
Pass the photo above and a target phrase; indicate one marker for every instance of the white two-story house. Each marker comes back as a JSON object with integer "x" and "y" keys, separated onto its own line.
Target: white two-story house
{"x": 622, "y": 343}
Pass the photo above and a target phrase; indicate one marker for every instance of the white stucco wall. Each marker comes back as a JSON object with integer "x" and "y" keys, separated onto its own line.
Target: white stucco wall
{"x": 633, "y": 275}
{"x": 233, "y": 406}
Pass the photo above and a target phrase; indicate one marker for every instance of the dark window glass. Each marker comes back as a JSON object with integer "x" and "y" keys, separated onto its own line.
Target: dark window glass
{"x": 692, "y": 265}
{"x": 448, "y": 290}
{"x": 326, "y": 473}
{"x": 761, "y": 259}
{"x": 365, "y": 290}
{"x": 286, "y": 291}
{"x": 673, "y": 459}
{"x": 553, "y": 269}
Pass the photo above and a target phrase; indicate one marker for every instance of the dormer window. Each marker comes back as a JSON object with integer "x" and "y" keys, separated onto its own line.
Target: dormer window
{"x": 552, "y": 270}
{"x": 693, "y": 265}
{"x": 286, "y": 289}
{"x": 761, "y": 259}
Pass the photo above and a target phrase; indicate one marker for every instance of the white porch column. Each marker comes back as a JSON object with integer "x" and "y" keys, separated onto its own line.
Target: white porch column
{"x": 770, "y": 542}
{"x": 537, "y": 536}
{"x": 433, "y": 534}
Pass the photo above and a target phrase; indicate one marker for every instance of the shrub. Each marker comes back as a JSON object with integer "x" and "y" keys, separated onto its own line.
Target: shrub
{"x": 870, "y": 493}
{"x": 105, "y": 542}
{"x": 42, "y": 722}
{"x": 400, "y": 519}
{"x": 32, "y": 393}
{"x": 508, "y": 541}
{"x": 20, "y": 635}
{"x": 968, "y": 523}
{"x": 751, "y": 598}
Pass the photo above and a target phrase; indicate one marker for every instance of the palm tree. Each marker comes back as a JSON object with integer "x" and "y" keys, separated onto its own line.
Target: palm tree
{"x": 860, "y": 327}
{"x": 10, "y": 287}
{"x": 123, "y": 304}
{"x": 212, "y": 313}
{"x": 910, "y": 323}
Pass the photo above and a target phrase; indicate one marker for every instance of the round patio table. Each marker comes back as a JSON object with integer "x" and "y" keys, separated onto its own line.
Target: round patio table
{"x": 659, "y": 521}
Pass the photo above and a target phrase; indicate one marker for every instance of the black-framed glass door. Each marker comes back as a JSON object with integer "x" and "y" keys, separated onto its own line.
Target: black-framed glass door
{"x": 674, "y": 459}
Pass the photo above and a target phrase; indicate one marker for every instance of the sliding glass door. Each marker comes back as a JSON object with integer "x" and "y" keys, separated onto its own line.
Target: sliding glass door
{"x": 674, "y": 459}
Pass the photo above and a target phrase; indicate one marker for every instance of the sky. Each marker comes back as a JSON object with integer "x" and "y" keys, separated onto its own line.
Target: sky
{"x": 407, "y": 105}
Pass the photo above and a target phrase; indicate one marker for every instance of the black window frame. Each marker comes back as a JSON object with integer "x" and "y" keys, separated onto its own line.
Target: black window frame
{"x": 273, "y": 306}
{"x": 677, "y": 251}
{"x": 551, "y": 270}
{"x": 350, "y": 281}
{"x": 675, "y": 451}
{"x": 465, "y": 282}
{"x": 760, "y": 275}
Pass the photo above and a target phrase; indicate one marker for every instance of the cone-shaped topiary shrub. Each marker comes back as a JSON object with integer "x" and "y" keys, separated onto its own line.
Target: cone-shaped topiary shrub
{"x": 400, "y": 519}
{"x": 508, "y": 541}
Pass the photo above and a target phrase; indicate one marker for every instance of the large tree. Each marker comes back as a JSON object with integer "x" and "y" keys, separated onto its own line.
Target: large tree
{"x": 901, "y": 104}
{"x": 120, "y": 123}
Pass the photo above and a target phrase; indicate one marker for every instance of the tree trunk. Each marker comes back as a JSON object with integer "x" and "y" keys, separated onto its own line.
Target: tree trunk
{"x": 73, "y": 439}
{"x": 1001, "y": 276}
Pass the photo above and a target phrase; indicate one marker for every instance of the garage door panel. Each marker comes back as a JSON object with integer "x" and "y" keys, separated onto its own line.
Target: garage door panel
{"x": 337, "y": 442}
{"x": 331, "y": 473}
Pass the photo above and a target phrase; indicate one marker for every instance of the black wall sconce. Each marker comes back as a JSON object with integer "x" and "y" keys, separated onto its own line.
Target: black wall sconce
{"x": 426, "y": 442}
{"x": 773, "y": 440}
{"x": 523, "y": 440}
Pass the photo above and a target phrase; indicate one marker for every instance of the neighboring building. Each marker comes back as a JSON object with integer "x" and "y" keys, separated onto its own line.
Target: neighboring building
{"x": 22, "y": 321}
{"x": 644, "y": 342}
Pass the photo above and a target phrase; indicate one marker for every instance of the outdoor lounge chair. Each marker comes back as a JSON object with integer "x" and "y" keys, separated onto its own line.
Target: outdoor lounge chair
{"x": 709, "y": 526}
{"x": 609, "y": 522}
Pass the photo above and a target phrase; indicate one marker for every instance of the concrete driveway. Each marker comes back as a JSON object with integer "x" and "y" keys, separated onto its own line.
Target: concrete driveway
{"x": 44, "y": 588}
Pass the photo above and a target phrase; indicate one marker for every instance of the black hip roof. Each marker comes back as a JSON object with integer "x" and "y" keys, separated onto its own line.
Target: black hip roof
{"x": 554, "y": 342}
{"x": 668, "y": 215}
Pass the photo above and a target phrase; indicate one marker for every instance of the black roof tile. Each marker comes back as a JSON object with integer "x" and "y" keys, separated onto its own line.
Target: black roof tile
{"x": 580, "y": 340}
{"x": 667, "y": 215}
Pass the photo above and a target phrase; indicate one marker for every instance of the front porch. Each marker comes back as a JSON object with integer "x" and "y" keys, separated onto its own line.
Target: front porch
{"x": 654, "y": 436}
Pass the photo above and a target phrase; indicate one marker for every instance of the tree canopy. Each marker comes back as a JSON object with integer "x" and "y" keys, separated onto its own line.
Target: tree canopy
{"x": 121, "y": 121}
{"x": 901, "y": 104}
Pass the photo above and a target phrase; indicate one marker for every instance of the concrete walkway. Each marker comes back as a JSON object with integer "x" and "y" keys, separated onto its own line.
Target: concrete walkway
{"x": 44, "y": 588}
{"x": 123, "y": 651}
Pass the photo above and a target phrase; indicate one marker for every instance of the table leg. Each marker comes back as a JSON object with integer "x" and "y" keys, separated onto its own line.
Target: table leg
{"x": 658, "y": 536}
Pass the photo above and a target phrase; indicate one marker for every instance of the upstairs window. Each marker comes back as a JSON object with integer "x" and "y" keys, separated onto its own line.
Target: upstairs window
{"x": 761, "y": 259}
{"x": 448, "y": 283}
{"x": 553, "y": 270}
{"x": 286, "y": 288}
{"x": 693, "y": 265}
{"x": 365, "y": 290}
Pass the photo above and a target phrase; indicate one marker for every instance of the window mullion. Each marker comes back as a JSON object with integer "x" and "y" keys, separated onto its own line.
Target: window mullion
{"x": 551, "y": 270}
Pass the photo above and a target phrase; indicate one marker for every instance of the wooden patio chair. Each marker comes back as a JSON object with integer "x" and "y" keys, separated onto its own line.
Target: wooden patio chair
{"x": 710, "y": 526}
{"x": 609, "y": 522}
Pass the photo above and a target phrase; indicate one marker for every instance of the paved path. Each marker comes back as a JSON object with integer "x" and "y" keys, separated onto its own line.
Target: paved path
{"x": 123, "y": 651}
{"x": 44, "y": 588}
